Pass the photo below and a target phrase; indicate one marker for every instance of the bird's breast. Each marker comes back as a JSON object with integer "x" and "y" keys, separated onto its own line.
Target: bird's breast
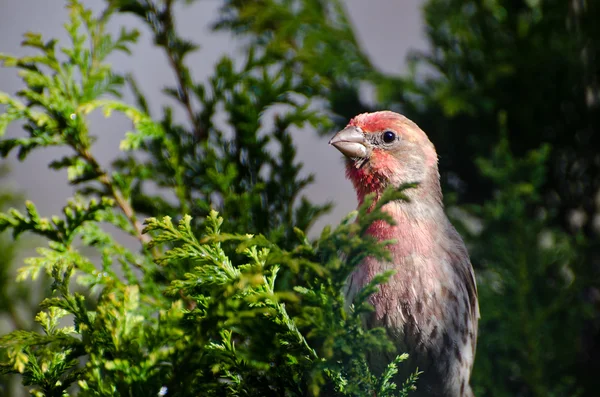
{"x": 413, "y": 305}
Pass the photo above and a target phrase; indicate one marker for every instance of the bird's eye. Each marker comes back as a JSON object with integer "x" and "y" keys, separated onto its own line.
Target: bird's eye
{"x": 389, "y": 136}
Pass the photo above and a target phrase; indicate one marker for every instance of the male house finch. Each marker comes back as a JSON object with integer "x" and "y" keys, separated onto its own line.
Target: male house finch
{"x": 429, "y": 307}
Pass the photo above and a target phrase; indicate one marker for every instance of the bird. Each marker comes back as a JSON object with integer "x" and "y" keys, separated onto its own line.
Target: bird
{"x": 429, "y": 307}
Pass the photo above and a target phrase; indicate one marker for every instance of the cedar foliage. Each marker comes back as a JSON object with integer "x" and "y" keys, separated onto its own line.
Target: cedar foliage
{"x": 235, "y": 304}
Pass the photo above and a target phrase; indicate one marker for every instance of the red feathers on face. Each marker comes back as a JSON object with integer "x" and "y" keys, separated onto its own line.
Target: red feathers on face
{"x": 373, "y": 123}
{"x": 371, "y": 179}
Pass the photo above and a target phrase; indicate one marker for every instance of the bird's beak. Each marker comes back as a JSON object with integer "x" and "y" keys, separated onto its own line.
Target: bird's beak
{"x": 351, "y": 142}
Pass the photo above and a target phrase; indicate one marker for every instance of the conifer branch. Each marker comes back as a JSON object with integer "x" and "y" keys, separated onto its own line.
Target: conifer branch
{"x": 176, "y": 49}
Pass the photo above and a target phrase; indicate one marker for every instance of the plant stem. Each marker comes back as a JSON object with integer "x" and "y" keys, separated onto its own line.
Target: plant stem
{"x": 121, "y": 201}
{"x": 176, "y": 63}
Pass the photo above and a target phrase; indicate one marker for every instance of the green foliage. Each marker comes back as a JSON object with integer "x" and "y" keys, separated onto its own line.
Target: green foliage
{"x": 246, "y": 304}
{"x": 487, "y": 61}
{"x": 17, "y": 306}
{"x": 202, "y": 308}
{"x": 231, "y": 166}
{"x": 508, "y": 93}
{"x": 530, "y": 283}
{"x": 313, "y": 38}
{"x": 239, "y": 336}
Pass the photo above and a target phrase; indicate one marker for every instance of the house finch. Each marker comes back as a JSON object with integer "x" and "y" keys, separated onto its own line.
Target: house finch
{"x": 429, "y": 306}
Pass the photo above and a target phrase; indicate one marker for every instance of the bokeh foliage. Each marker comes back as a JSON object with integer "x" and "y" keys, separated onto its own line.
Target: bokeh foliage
{"x": 508, "y": 93}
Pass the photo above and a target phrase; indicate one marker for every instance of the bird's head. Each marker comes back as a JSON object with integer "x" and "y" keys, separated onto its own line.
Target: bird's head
{"x": 385, "y": 149}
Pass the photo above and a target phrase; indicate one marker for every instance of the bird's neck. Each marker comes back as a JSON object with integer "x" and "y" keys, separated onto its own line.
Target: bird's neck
{"x": 415, "y": 229}
{"x": 416, "y": 222}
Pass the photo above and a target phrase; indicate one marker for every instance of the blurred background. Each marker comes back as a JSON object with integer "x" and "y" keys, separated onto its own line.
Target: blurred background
{"x": 507, "y": 90}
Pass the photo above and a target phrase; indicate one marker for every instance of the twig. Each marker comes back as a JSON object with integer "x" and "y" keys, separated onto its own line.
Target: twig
{"x": 176, "y": 63}
{"x": 185, "y": 96}
{"x": 123, "y": 203}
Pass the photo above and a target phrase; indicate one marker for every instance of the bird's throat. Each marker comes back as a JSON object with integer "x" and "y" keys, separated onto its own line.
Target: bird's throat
{"x": 364, "y": 181}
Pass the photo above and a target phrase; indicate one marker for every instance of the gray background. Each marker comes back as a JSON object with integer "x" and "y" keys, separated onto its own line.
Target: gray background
{"x": 387, "y": 30}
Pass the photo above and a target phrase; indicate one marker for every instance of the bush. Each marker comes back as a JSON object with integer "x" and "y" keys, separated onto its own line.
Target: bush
{"x": 238, "y": 304}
